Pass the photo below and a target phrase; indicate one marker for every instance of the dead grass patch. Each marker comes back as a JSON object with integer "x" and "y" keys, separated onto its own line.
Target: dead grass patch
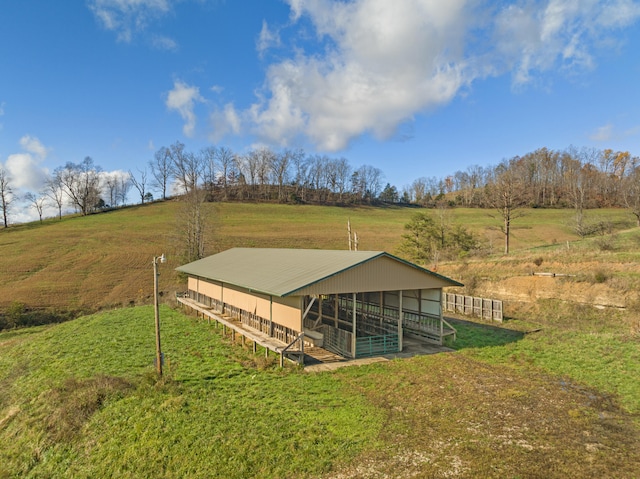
{"x": 490, "y": 421}
{"x": 71, "y": 405}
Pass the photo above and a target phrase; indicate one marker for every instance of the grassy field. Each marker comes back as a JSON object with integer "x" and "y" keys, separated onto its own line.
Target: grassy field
{"x": 553, "y": 393}
{"x": 104, "y": 260}
{"x": 79, "y": 399}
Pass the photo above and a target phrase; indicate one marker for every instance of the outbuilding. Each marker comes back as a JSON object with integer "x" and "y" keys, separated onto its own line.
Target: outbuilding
{"x": 353, "y": 303}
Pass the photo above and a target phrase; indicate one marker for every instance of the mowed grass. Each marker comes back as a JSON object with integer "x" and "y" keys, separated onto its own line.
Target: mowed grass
{"x": 104, "y": 260}
{"x": 80, "y": 399}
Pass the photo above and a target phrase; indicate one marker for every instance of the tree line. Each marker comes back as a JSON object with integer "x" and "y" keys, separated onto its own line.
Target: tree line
{"x": 579, "y": 178}
{"x": 572, "y": 178}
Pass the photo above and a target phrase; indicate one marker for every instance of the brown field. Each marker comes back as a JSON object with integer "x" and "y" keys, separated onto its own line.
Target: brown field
{"x": 104, "y": 260}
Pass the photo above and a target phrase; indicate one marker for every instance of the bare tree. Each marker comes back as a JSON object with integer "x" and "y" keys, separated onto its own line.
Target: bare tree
{"x": 265, "y": 159}
{"x": 209, "y": 168}
{"x": 161, "y": 170}
{"x": 111, "y": 185}
{"x": 506, "y": 196}
{"x": 179, "y": 166}
{"x": 280, "y": 165}
{"x": 227, "y": 166}
{"x": 193, "y": 225}
{"x": 342, "y": 174}
{"x": 300, "y": 170}
{"x": 37, "y": 202}
{"x": 81, "y": 183}
{"x": 580, "y": 175}
{"x": 366, "y": 182}
{"x": 140, "y": 184}
{"x": 6, "y": 194}
{"x": 55, "y": 191}
{"x": 631, "y": 189}
{"x": 248, "y": 167}
{"x": 124, "y": 185}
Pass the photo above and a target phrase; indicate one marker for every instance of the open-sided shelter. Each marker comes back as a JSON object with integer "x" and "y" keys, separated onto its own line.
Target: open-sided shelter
{"x": 353, "y": 303}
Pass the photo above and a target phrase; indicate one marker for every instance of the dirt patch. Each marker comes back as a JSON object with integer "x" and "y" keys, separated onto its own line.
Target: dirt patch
{"x": 453, "y": 416}
{"x": 532, "y": 288}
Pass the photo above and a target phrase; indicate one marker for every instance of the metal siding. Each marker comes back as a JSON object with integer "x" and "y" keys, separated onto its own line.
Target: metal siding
{"x": 210, "y": 289}
{"x": 379, "y": 274}
{"x": 286, "y": 312}
{"x": 240, "y": 299}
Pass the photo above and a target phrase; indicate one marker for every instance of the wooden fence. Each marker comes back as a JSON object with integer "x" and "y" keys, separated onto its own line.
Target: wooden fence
{"x": 472, "y": 306}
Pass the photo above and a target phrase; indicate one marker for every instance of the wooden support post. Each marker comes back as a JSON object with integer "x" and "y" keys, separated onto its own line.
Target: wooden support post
{"x": 353, "y": 330}
{"x": 400, "y": 318}
{"x": 255, "y": 347}
{"x": 266, "y": 352}
{"x": 282, "y": 360}
{"x": 233, "y": 335}
{"x": 335, "y": 316}
{"x": 441, "y": 319}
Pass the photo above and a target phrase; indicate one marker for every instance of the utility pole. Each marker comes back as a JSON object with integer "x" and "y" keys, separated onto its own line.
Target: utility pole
{"x": 162, "y": 259}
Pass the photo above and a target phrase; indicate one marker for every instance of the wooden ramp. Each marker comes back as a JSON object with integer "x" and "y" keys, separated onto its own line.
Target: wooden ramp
{"x": 258, "y": 337}
{"x": 315, "y": 355}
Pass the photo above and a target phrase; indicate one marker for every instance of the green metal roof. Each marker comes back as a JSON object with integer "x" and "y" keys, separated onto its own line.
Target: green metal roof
{"x": 282, "y": 272}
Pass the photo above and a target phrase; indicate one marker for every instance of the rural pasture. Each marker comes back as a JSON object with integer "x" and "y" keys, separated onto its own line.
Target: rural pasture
{"x": 553, "y": 392}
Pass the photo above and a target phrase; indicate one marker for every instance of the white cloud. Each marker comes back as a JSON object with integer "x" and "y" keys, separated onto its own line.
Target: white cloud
{"x": 161, "y": 42}
{"x": 536, "y": 37}
{"x": 32, "y": 145}
{"x": 225, "y": 122}
{"x": 384, "y": 62}
{"x": 376, "y": 63}
{"x": 267, "y": 39}
{"x": 25, "y": 168}
{"x": 603, "y": 133}
{"x": 183, "y": 99}
{"x": 609, "y": 132}
{"x": 126, "y": 17}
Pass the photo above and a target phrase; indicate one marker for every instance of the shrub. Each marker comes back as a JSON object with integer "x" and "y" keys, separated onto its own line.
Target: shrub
{"x": 538, "y": 261}
{"x": 600, "y": 276}
{"x": 606, "y": 243}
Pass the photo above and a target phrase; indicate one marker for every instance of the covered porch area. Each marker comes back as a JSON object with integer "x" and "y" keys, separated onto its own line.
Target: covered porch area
{"x": 356, "y": 325}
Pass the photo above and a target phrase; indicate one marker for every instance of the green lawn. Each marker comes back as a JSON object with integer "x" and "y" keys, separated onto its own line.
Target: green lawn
{"x": 80, "y": 399}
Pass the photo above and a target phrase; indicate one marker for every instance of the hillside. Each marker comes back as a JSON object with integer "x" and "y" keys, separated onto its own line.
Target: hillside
{"x": 80, "y": 400}
{"x": 104, "y": 260}
{"x": 552, "y": 393}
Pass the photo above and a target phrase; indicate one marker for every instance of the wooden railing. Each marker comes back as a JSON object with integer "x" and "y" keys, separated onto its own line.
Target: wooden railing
{"x": 473, "y": 306}
{"x": 298, "y": 354}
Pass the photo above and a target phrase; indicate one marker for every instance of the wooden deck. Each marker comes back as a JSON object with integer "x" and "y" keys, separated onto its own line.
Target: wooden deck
{"x": 316, "y": 359}
{"x": 257, "y": 337}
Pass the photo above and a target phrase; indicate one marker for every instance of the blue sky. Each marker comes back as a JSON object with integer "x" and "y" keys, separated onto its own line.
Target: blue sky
{"x": 413, "y": 87}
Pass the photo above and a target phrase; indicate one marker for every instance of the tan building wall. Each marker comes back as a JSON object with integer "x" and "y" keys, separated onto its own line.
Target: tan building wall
{"x": 283, "y": 311}
{"x": 204, "y": 287}
{"x": 287, "y": 312}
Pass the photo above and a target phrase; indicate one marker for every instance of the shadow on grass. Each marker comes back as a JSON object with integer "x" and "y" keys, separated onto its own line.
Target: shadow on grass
{"x": 478, "y": 335}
